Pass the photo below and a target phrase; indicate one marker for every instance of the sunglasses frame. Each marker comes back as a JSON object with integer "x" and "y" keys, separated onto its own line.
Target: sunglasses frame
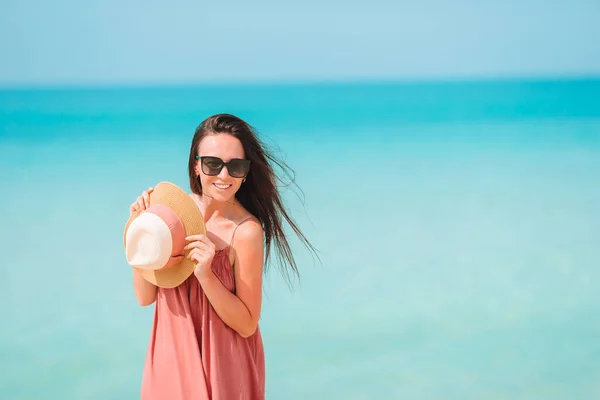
{"x": 223, "y": 165}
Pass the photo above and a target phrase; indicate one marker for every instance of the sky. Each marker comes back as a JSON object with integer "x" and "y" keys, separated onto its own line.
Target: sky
{"x": 68, "y": 42}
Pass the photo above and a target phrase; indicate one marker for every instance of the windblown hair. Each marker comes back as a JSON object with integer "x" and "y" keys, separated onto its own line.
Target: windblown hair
{"x": 259, "y": 194}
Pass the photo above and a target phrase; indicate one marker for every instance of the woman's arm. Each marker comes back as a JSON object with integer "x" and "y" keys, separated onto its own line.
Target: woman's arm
{"x": 145, "y": 292}
{"x": 240, "y": 311}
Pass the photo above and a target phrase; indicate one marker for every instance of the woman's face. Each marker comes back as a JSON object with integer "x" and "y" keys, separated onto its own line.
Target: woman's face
{"x": 221, "y": 187}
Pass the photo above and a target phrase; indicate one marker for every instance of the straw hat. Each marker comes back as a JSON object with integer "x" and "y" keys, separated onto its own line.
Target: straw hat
{"x": 155, "y": 237}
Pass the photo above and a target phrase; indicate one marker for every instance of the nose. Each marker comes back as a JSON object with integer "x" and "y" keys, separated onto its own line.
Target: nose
{"x": 224, "y": 173}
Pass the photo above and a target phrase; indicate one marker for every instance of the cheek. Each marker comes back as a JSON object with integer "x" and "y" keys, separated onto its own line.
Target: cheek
{"x": 204, "y": 179}
{"x": 236, "y": 186}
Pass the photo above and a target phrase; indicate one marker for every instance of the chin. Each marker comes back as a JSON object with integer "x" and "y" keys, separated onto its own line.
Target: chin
{"x": 220, "y": 196}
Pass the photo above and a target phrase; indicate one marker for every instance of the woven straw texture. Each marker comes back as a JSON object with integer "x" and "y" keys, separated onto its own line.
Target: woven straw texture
{"x": 193, "y": 222}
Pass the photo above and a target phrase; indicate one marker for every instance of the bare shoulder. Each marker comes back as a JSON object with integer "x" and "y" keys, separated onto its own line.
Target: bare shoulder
{"x": 249, "y": 231}
{"x": 248, "y": 241}
{"x": 248, "y": 265}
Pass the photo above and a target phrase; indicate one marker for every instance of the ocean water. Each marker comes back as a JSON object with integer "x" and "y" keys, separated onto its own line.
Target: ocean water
{"x": 458, "y": 225}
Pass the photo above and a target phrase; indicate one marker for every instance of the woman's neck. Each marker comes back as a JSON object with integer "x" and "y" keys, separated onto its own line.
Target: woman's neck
{"x": 216, "y": 210}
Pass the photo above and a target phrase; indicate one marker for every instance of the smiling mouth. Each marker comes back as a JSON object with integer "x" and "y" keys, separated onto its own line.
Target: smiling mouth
{"x": 222, "y": 187}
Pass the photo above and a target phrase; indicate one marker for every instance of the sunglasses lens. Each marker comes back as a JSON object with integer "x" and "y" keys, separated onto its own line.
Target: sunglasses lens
{"x": 238, "y": 168}
{"x": 211, "y": 165}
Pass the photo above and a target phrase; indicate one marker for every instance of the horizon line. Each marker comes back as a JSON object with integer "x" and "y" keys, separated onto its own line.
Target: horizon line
{"x": 115, "y": 85}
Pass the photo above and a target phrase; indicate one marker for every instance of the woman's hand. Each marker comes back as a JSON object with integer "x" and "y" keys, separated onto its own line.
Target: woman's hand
{"x": 203, "y": 252}
{"x": 142, "y": 202}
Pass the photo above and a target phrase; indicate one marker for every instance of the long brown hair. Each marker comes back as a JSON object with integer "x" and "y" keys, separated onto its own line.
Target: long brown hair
{"x": 259, "y": 193}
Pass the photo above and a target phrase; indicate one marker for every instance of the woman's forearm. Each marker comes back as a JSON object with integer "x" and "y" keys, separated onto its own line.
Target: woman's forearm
{"x": 145, "y": 292}
{"x": 230, "y": 308}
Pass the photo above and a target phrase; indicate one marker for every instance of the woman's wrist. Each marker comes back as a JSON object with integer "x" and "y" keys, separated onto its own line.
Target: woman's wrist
{"x": 206, "y": 277}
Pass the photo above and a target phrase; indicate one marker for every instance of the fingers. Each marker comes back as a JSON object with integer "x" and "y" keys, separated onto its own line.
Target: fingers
{"x": 202, "y": 248}
{"x": 197, "y": 245}
{"x": 200, "y": 237}
{"x": 146, "y": 197}
{"x": 199, "y": 255}
{"x": 196, "y": 254}
{"x": 201, "y": 242}
{"x": 142, "y": 202}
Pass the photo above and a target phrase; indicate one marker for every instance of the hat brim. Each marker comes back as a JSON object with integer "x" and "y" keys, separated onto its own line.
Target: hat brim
{"x": 193, "y": 223}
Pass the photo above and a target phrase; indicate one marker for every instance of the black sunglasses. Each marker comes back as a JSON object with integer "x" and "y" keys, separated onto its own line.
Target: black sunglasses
{"x": 236, "y": 167}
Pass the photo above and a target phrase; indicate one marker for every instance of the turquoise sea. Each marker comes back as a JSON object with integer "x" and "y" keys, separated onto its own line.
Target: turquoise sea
{"x": 458, "y": 225}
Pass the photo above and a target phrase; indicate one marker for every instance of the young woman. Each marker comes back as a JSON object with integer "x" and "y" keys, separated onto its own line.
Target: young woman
{"x": 206, "y": 341}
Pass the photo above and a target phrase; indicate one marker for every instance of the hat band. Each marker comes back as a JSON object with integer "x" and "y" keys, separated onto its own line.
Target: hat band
{"x": 173, "y": 260}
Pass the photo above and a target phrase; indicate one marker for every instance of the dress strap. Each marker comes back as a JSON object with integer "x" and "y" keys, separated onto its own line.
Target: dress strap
{"x": 230, "y": 245}
{"x": 235, "y": 229}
